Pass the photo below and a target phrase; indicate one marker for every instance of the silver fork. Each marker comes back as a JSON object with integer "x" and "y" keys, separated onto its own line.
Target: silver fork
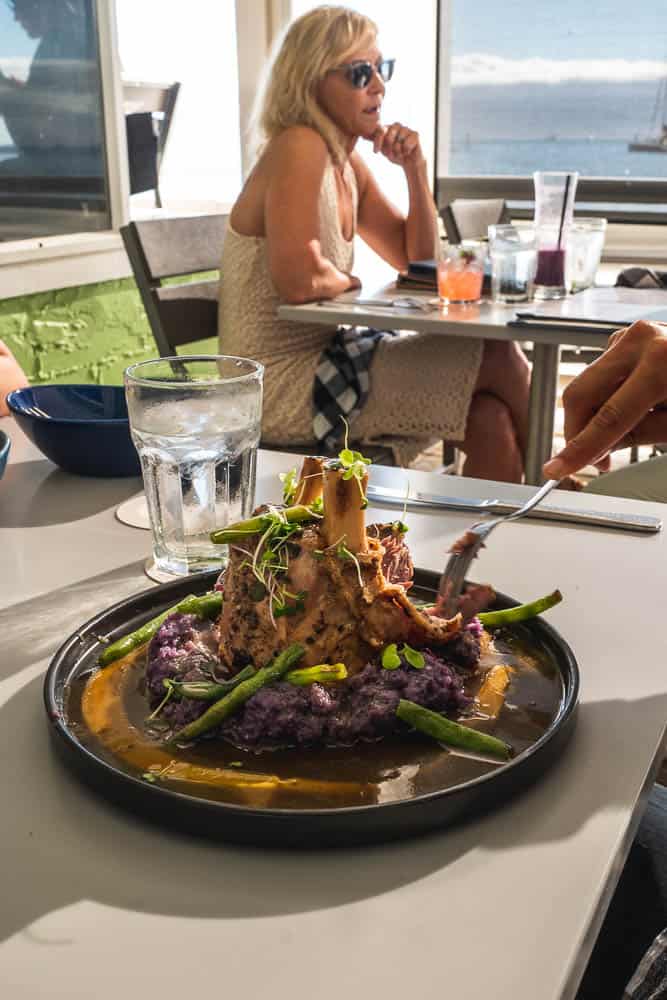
{"x": 458, "y": 564}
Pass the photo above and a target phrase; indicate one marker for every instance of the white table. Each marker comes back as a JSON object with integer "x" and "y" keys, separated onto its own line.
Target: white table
{"x": 486, "y": 321}
{"x": 96, "y": 903}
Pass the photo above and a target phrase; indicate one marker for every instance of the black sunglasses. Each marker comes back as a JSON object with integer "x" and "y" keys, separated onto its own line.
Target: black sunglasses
{"x": 361, "y": 73}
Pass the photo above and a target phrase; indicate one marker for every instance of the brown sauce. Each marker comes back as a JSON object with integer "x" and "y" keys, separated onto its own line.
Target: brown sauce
{"x": 107, "y": 711}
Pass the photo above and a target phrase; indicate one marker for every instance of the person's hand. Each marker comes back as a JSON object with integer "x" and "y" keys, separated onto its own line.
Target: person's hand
{"x": 399, "y": 144}
{"x": 619, "y": 400}
{"x": 355, "y": 283}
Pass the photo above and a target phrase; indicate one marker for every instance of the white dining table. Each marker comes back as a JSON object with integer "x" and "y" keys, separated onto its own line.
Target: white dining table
{"x": 96, "y": 902}
{"x": 485, "y": 320}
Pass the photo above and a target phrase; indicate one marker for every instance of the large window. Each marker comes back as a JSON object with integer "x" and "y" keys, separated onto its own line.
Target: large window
{"x": 583, "y": 87}
{"x": 52, "y": 162}
{"x": 193, "y": 45}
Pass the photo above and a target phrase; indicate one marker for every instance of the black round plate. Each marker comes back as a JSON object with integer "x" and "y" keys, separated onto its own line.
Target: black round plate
{"x": 288, "y": 827}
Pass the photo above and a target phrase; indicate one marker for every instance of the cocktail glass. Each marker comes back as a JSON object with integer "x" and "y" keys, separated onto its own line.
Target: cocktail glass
{"x": 461, "y": 272}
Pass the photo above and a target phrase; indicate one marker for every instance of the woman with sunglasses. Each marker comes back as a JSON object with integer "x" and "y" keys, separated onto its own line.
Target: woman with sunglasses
{"x": 290, "y": 239}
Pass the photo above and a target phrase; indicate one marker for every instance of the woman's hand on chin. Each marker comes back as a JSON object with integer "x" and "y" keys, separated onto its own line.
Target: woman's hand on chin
{"x": 400, "y": 144}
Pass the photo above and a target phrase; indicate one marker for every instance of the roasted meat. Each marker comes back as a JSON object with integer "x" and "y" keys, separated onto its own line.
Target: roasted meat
{"x": 349, "y": 584}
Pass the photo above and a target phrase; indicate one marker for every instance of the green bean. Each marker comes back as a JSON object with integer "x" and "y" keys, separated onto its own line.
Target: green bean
{"x": 208, "y": 690}
{"x": 256, "y": 525}
{"x": 206, "y": 606}
{"x": 520, "y": 612}
{"x": 323, "y": 673}
{"x": 451, "y": 733}
{"x": 219, "y": 711}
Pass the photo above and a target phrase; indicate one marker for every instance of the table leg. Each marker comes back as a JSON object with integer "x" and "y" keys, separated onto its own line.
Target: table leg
{"x": 541, "y": 409}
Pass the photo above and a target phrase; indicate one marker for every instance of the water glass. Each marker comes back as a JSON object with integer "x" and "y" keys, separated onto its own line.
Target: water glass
{"x": 584, "y": 251}
{"x": 513, "y": 262}
{"x": 554, "y": 206}
{"x": 195, "y": 422}
{"x": 461, "y": 272}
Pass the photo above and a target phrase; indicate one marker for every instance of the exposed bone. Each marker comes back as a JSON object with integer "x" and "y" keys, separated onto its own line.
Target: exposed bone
{"x": 344, "y": 518}
{"x": 310, "y": 485}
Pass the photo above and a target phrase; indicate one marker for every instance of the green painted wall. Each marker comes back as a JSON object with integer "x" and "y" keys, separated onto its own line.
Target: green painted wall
{"x": 85, "y": 334}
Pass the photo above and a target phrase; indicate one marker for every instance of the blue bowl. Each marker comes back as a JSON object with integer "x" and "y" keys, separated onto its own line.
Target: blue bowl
{"x": 4, "y": 451}
{"x": 84, "y": 429}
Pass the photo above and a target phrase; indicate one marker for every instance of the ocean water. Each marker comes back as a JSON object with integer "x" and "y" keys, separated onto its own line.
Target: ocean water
{"x": 575, "y": 125}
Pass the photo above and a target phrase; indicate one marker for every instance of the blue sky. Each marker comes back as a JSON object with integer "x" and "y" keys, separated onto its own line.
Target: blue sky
{"x": 14, "y": 42}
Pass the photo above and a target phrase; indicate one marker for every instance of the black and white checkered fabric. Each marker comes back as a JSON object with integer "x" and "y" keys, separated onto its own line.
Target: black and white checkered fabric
{"x": 342, "y": 382}
{"x": 650, "y": 980}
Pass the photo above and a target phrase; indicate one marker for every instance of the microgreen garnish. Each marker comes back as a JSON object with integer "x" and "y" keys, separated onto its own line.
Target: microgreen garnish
{"x": 269, "y": 563}
{"x": 170, "y": 692}
{"x": 355, "y": 465}
{"x": 290, "y": 483}
{"x": 156, "y": 772}
{"x": 399, "y": 527}
{"x": 390, "y": 658}
{"x": 344, "y": 553}
{"x": 413, "y": 656}
{"x": 467, "y": 256}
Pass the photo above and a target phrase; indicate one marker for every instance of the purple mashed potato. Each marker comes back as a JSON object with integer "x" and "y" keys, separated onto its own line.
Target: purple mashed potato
{"x": 281, "y": 715}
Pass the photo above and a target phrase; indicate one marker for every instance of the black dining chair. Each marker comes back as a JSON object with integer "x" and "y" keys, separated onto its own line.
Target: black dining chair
{"x": 149, "y": 111}
{"x": 187, "y": 312}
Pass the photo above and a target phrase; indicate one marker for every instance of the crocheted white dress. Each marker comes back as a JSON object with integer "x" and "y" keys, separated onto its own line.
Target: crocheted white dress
{"x": 420, "y": 384}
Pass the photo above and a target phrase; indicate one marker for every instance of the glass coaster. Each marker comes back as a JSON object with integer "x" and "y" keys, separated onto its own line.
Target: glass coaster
{"x": 159, "y": 575}
{"x": 134, "y": 512}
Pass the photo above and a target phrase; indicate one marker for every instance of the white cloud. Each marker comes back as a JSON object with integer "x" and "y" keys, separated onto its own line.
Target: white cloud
{"x": 484, "y": 68}
{"x": 16, "y": 66}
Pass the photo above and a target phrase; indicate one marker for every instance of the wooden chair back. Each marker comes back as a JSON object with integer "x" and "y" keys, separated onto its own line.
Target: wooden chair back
{"x": 167, "y": 248}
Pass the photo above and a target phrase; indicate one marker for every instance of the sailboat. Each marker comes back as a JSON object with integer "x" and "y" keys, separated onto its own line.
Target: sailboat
{"x": 656, "y": 140}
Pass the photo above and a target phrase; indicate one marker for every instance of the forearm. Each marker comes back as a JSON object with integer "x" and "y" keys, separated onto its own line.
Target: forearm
{"x": 311, "y": 280}
{"x": 420, "y": 225}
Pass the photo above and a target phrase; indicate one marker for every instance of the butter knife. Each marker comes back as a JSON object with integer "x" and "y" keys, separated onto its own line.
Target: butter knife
{"x": 545, "y": 512}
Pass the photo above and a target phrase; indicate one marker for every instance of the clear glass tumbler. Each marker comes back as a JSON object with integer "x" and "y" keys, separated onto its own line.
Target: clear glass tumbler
{"x": 196, "y": 423}
{"x": 584, "y": 251}
{"x": 513, "y": 262}
{"x": 554, "y": 206}
{"x": 461, "y": 271}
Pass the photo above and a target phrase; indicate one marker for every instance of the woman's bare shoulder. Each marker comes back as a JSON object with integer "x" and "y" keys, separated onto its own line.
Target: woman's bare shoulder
{"x": 298, "y": 141}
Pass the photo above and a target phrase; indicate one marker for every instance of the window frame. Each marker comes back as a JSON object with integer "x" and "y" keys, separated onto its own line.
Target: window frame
{"x": 42, "y": 264}
{"x": 517, "y": 189}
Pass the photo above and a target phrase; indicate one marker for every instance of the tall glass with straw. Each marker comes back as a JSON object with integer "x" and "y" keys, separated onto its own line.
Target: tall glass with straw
{"x": 554, "y": 208}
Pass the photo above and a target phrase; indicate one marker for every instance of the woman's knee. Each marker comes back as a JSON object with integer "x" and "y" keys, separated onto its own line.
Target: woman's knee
{"x": 491, "y": 445}
{"x": 502, "y": 360}
{"x": 490, "y": 417}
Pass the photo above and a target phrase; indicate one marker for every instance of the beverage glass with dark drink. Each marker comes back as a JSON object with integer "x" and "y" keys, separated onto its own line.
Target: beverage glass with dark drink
{"x": 513, "y": 262}
{"x": 554, "y": 207}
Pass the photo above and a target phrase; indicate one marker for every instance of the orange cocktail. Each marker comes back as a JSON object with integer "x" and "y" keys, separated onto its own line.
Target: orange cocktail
{"x": 461, "y": 272}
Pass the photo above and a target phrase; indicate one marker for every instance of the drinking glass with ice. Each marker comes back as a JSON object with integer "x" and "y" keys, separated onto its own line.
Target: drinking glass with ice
{"x": 195, "y": 422}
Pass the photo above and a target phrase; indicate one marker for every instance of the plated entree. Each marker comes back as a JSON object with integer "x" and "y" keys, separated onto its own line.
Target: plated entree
{"x": 311, "y": 642}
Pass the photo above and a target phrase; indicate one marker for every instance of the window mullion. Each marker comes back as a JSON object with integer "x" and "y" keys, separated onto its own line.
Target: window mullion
{"x": 114, "y": 117}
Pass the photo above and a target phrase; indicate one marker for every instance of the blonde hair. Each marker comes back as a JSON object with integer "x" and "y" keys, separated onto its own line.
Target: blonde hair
{"x": 314, "y": 44}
